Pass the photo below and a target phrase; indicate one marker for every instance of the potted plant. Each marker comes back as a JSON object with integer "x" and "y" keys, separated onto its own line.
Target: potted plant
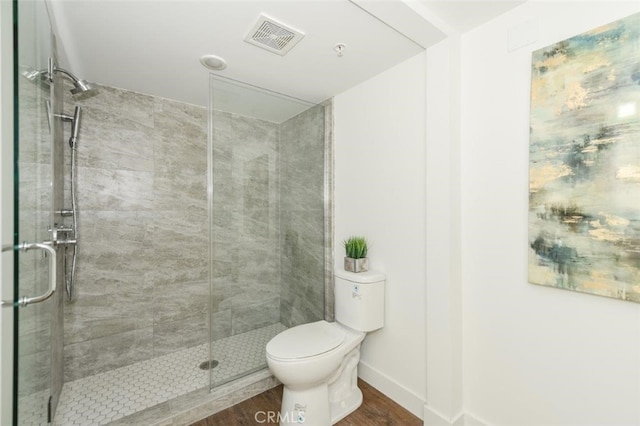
{"x": 356, "y": 258}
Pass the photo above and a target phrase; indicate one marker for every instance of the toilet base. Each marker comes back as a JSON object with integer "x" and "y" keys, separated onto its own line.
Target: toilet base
{"x": 341, "y": 409}
{"x": 344, "y": 394}
{"x": 326, "y": 403}
{"x": 309, "y": 406}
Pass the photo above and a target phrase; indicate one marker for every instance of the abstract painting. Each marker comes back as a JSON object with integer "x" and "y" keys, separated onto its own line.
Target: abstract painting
{"x": 584, "y": 162}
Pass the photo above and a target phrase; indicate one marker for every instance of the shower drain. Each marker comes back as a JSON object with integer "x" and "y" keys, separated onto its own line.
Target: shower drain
{"x": 208, "y": 365}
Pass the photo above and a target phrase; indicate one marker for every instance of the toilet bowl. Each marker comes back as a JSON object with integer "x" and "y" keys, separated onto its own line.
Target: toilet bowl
{"x": 317, "y": 362}
{"x": 308, "y": 360}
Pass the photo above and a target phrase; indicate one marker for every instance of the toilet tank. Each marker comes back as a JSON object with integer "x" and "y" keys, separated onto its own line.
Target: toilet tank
{"x": 359, "y": 299}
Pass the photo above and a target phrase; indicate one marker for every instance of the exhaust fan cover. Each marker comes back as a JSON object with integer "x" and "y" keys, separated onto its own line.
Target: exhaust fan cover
{"x": 273, "y": 36}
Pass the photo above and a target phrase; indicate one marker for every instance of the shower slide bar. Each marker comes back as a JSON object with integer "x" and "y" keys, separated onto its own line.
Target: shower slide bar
{"x": 24, "y": 301}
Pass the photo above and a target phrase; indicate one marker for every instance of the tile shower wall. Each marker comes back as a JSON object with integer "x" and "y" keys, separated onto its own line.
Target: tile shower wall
{"x": 142, "y": 288}
{"x": 246, "y": 289}
{"x": 142, "y": 283}
{"x": 302, "y": 218}
{"x": 143, "y": 256}
{"x": 34, "y": 197}
{"x": 40, "y": 326}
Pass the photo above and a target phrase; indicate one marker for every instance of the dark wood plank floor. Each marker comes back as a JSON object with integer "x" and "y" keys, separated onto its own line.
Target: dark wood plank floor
{"x": 376, "y": 410}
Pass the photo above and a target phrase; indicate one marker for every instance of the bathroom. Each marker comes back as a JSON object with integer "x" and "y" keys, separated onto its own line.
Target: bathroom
{"x": 414, "y": 142}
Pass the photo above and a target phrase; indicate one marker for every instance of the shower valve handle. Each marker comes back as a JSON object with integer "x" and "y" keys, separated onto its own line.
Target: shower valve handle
{"x": 55, "y": 241}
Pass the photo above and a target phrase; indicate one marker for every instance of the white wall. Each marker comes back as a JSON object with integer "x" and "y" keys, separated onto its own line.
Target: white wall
{"x": 380, "y": 193}
{"x": 443, "y": 283}
{"x": 532, "y": 355}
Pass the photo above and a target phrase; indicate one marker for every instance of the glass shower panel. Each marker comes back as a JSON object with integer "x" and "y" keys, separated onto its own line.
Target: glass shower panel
{"x": 34, "y": 165}
{"x": 266, "y": 189}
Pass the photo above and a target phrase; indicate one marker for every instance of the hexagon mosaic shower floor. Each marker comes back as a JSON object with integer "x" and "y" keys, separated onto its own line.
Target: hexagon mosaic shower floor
{"x": 112, "y": 395}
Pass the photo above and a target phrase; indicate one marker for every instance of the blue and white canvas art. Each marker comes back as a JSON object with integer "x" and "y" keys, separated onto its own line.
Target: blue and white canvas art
{"x": 584, "y": 162}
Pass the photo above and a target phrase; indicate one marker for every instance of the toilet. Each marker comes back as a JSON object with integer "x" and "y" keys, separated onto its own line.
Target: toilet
{"x": 317, "y": 362}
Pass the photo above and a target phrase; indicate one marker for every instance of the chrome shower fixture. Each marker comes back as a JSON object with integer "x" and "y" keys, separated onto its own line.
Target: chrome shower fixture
{"x": 75, "y": 126}
{"x": 72, "y": 235}
{"x": 79, "y": 86}
{"x": 46, "y": 75}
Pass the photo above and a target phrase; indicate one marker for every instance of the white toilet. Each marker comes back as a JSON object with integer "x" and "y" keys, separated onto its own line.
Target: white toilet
{"x": 317, "y": 362}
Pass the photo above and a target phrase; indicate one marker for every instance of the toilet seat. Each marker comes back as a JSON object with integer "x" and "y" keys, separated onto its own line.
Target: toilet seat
{"x": 305, "y": 341}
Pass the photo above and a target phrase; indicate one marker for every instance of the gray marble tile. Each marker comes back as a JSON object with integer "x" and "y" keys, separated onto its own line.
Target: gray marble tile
{"x": 36, "y": 139}
{"x": 296, "y": 310}
{"x": 111, "y": 250}
{"x": 221, "y": 324}
{"x": 118, "y": 231}
{"x": 233, "y": 295}
{"x": 34, "y": 371}
{"x": 329, "y": 214}
{"x": 246, "y": 263}
{"x": 180, "y": 188}
{"x": 106, "y": 141}
{"x": 305, "y": 229}
{"x": 35, "y": 341}
{"x": 250, "y": 317}
{"x": 94, "y": 356}
{"x": 150, "y": 246}
{"x": 176, "y": 301}
{"x": 145, "y": 417}
{"x": 256, "y": 176}
{"x": 180, "y": 334}
{"x": 226, "y": 186}
{"x": 178, "y": 243}
{"x": 177, "y": 233}
{"x": 123, "y": 104}
{"x": 180, "y": 269}
{"x": 302, "y": 213}
{"x": 112, "y": 296}
{"x": 303, "y": 133}
{"x": 111, "y": 244}
{"x": 114, "y": 189}
{"x": 107, "y": 310}
{"x": 221, "y": 269}
{"x": 180, "y": 144}
{"x": 258, "y": 224}
{"x": 258, "y": 263}
{"x": 172, "y": 116}
{"x": 35, "y": 192}
{"x": 202, "y": 403}
{"x": 57, "y": 301}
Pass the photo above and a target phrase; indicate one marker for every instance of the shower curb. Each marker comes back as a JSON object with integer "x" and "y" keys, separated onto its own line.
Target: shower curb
{"x": 201, "y": 403}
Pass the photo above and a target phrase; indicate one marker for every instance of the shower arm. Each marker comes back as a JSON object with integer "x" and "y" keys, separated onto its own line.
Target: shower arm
{"x": 52, "y": 69}
{"x": 65, "y": 117}
{"x": 63, "y": 71}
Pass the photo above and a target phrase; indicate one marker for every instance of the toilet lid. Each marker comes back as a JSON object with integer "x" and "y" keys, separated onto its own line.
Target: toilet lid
{"x": 305, "y": 340}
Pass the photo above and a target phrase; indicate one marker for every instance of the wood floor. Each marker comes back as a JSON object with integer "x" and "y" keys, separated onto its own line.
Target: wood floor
{"x": 376, "y": 410}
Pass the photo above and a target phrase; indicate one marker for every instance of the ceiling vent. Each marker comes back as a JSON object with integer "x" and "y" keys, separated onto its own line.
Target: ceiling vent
{"x": 273, "y": 36}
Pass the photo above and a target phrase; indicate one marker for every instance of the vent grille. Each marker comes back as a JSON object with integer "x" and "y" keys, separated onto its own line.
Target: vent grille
{"x": 273, "y": 36}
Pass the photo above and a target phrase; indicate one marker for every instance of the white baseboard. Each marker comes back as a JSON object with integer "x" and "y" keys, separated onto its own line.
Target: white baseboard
{"x": 394, "y": 390}
{"x": 433, "y": 418}
{"x": 471, "y": 420}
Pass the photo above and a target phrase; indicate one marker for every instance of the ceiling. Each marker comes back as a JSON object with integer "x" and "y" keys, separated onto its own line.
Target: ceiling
{"x": 154, "y": 47}
{"x": 463, "y": 15}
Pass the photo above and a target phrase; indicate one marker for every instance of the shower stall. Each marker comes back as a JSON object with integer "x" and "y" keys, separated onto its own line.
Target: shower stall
{"x": 203, "y": 236}
{"x": 204, "y": 232}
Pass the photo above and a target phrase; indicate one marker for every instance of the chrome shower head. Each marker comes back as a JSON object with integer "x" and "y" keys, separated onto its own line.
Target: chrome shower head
{"x": 79, "y": 86}
{"x": 82, "y": 86}
{"x": 33, "y": 75}
{"x": 44, "y": 76}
